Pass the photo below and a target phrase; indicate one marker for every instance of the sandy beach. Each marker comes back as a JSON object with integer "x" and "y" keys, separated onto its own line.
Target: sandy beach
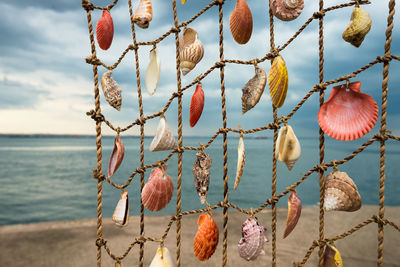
{"x": 72, "y": 243}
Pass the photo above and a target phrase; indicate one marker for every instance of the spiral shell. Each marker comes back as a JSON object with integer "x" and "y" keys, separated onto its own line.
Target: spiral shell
{"x": 191, "y": 50}
{"x": 163, "y": 140}
{"x": 360, "y": 24}
{"x": 241, "y": 22}
{"x": 111, "y": 90}
{"x": 196, "y": 105}
{"x": 143, "y": 14}
{"x": 278, "y": 81}
{"x": 162, "y": 258}
{"x": 286, "y": 10}
{"x": 206, "y": 239}
{"x": 105, "y": 30}
{"x": 294, "y": 212}
{"x": 287, "y": 148}
{"x": 252, "y": 91}
{"x": 153, "y": 72}
{"x": 201, "y": 173}
{"x": 117, "y": 155}
{"x": 252, "y": 242}
{"x": 332, "y": 256}
{"x": 121, "y": 212}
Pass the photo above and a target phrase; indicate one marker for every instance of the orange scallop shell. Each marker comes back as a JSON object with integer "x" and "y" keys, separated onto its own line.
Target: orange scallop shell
{"x": 241, "y": 22}
{"x": 105, "y": 30}
{"x": 348, "y": 114}
{"x": 206, "y": 239}
{"x": 196, "y": 105}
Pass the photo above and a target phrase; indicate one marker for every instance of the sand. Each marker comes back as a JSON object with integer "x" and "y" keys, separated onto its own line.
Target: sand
{"x": 72, "y": 243}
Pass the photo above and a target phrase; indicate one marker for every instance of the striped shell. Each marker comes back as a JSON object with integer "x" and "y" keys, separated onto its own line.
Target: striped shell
{"x": 286, "y": 10}
{"x": 332, "y": 256}
{"x": 252, "y": 91}
{"x": 196, "y": 105}
{"x": 201, "y": 173}
{"x": 241, "y": 22}
{"x": 143, "y": 14}
{"x": 287, "y": 148}
{"x": 191, "y": 50}
{"x": 360, "y": 24}
{"x": 105, "y": 30}
{"x": 162, "y": 258}
{"x": 348, "y": 114}
{"x": 111, "y": 90}
{"x": 164, "y": 139}
{"x": 278, "y": 81}
{"x": 206, "y": 239}
{"x": 252, "y": 242}
{"x": 117, "y": 155}
{"x": 121, "y": 212}
{"x": 153, "y": 72}
{"x": 294, "y": 212}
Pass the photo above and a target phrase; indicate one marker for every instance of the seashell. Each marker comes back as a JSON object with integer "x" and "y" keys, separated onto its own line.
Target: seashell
{"x": 286, "y": 10}
{"x": 241, "y": 22}
{"x": 332, "y": 256}
{"x": 341, "y": 193}
{"x": 294, "y": 212}
{"x": 287, "y": 148}
{"x": 143, "y": 14}
{"x": 105, "y": 30}
{"x": 252, "y": 242}
{"x": 348, "y": 114}
{"x": 201, "y": 173}
{"x": 117, "y": 155}
{"x": 153, "y": 72}
{"x": 158, "y": 190}
{"x": 183, "y": 2}
{"x": 117, "y": 264}
{"x": 240, "y": 162}
{"x": 196, "y": 105}
{"x": 163, "y": 140}
{"x": 360, "y": 24}
{"x": 111, "y": 90}
{"x": 191, "y": 50}
{"x": 278, "y": 81}
{"x": 162, "y": 258}
{"x": 253, "y": 90}
{"x": 121, "y": 212}
{"x": 206, "y": 239}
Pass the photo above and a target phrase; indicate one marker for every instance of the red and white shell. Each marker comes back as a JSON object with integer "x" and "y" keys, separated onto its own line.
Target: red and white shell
{"x": 252, "y": 242}
{"x": 143, "y": 14}
{"x": 286, "y": 9}
{"x": 206, "y": 240}
{"x": 105, "y": 30}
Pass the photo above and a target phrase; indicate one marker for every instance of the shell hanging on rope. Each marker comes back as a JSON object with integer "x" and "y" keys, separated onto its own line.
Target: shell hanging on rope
{"x": 278, "y": 81}
{"x": 143, "y": 14}
{"x": 360, "y": 24}
{"x": 253, "y": 239}
{"x": 201, "y": 173}
{"x": 117, "y": 155}
{"x": 196, "y": 105}
{"x": 163, "y": 140}
{"x": 252, "y": 91}
{"x": 294, "y": 212}
{"x": 332, "y": 256}
{"x": 111, "y": 90}
{"x": 286, "y": 10}
{"x": 348, "y": 114}
{"x": 183, "y": 2}
{"x": 191, "y": 50}
{"x": 121, "y": 212}
{"x": 287, "y": 148}
{"x": 162, "y": 258}
{"x": 240, "y": 162}
{"x": 241, "y": 22}
{"x": 105, "y": 30}
{"x": 153, "y": 72}
{"x": 206, "y": 239}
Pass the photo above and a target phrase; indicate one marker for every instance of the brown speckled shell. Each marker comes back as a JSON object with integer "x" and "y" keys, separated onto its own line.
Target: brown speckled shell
{"x": 286, "y": 10}
{"x": 241, "y": 22}
{"x": 201, "y": 173}
{"x": 111, "y": 90}
{"x": 206, "y": 239}
{"x": 252, "y": 242}
{"x": 252, "y": 91}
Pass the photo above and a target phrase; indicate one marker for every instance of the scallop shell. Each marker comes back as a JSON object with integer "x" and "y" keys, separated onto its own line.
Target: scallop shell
{"x": 253, "y": 90}
{"x": 201, "y": 173}
{"x": 191, "y": 50}
{"x": 348, "y": 114}
{"x": 294, "y": 212}
{"x": 341, "y": 193}
{"x": 332, "y": 257}
{"x": 111, "y": 90}
{"x": 117, "y": 155}
{"x": 143, "y": 14}
{"x": 286, "y": 10}
{"x": 252, "y": 242}
{"x": 241, "y": 22}
{"x": 163, "y": 140}
{"x": 206, "y": 239}
{"x": 105, "y": 30}
{"x": 278, "y": 81}
{"x": 360, "y": 24}
{"x": 153, "y": 72}
{"x": 162, "y": 258}
{"x": 196, "y": 105}
{"x": 121, "y": 212}
{"x": 287, "y": 148}
{"x": 158, "y": 190}
{"x": 240, "y": 162}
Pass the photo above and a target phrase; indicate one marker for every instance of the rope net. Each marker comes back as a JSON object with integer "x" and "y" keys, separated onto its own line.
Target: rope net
{"x": 99, "y": 118}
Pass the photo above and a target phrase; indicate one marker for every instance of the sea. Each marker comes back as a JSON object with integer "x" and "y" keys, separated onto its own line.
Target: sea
{"x": 49, "y": 178}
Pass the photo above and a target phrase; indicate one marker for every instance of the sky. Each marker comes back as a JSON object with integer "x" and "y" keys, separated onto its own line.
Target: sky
{"x": 46, "y": 87}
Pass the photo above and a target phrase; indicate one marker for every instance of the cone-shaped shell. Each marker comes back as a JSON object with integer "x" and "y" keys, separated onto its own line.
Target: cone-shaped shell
{"x": 286, "y": 9}
{"x": 196, "y": 105}
{"x": 111, "y": 90}
{"x": 241, "y": 22}
{"x": 240, "y": 162}
{"x": 162, "y": 258}
{"x": 117, "y": 155}
{"x": 158, "y": 190}
{"x": 163, "y": 140}
{"x": 348, "y": 114}
{"x": 332, "y": 257}
{"x": 360, "y": 24}
{"x": 143, "y": 14}
{"x": 341, "y": 193}
{"x": 294, "y": 212}
{"x": 287, "y": 148}
{"x": 278, "y": 81}
{"x": 191, "y": 50}
{"x": 252, "y": 242}
{"x": 105, "y": 30}
{"x": 153, "y": 72}
{"x": 201, "y": 173}
{"x": 121, "y": 212}
{"x": 253, "y": 89}
{"x": 206, "y": 239}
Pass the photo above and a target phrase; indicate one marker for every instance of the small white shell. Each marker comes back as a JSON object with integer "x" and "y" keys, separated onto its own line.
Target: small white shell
{"x": 121, "y": 212}
{"x": 240, "y": 162}
{"x": 153, "y": 72}
{"x": 162, "y": 258}
{"x": 163, "y": 140}
{"x": 287, "y": 147}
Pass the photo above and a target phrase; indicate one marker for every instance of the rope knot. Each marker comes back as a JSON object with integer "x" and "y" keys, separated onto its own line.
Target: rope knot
{"x": 318, "y": 15}
{"x": 321, "y": 168}
{"x": 222, "y": 130}
{"x": 319, "y": 243}
{"x": 93, "y": 60}
{"x": 98, "y": 117}
{"x": 378, "y": 220}
{"x": 180, "y": 150}
{"x": 219, "y": 2}
{"x": 320, "y": 86}
{"x": 175, "y": 29}
{"x": 87, "y": 5}
{"x": 381, "y": 136}
{"x": 139, "y": 170}
{"x": 98, "y": 175}
{"x": 177, "y": 94}
{"x": 100, "y": 242}
{"x": 140, "y": 121}
{"x": 274, "y": 200}
{"x": 220, "y": 64}
{"x": 384, "y": 59}
{"x": 133, "y": 47}
{"x": 274, "y": 125}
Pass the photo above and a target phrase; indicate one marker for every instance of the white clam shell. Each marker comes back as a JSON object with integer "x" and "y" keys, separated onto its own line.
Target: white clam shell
{"x": 162, "y": 258}
{"x": 287, "y": 147}
{"x": 153, "y": 72}
{"x": 163, "y": 140}
{"x": 121, "y": 212}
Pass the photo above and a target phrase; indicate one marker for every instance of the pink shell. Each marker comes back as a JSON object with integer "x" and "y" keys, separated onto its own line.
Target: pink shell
{"x": 105, "y": 30}
{"x": 286, "y": 10}
{"x": 158, "y": 190}
{"x": 252, "y": 242}
{"x": 117, "y": 155}
{"x": 348, "y": 115}
{"x": 241, "y": 22}
{"x": 196, "y": 105}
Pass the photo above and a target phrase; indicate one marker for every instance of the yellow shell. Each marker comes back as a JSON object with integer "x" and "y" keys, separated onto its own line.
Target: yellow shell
{"x": 278, "y": 81}
{"x": 332, "y": 257}
{"x": 360, "y": 24}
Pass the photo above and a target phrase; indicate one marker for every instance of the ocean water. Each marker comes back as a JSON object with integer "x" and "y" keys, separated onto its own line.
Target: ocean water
{"x": 50, "y": 178}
